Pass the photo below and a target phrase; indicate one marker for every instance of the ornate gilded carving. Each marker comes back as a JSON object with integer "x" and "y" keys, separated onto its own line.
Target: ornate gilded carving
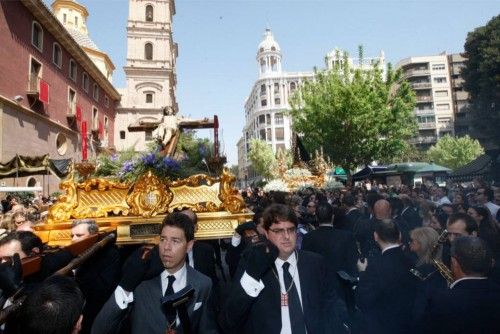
{"x": 231, "y": 198}
{"x": 61, "y": 211}
{"x": 220, "y": 208}
{"x": 149, "y": 197}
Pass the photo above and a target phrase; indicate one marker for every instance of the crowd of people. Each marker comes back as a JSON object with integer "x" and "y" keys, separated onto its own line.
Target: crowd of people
{"x": 361, "y": 259}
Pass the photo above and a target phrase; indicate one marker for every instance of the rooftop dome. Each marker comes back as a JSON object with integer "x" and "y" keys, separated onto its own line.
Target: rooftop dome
{"x": 82, "y": 39}
{"x": 268, "y": 44}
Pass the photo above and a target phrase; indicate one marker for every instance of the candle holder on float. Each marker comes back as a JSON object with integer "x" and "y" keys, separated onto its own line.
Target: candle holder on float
{"x": 85, "y": 168}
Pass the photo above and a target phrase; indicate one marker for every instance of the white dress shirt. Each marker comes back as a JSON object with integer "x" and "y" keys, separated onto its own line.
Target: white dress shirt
{"x": 253, "y": 287}
{"x": 123, "y": 298}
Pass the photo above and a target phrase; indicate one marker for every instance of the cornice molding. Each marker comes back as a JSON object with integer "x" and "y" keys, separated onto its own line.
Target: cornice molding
{"x": 52, "y": 24}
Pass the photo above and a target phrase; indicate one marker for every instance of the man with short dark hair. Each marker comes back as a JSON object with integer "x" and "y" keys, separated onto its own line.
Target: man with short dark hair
{"x": 484, "y": 196}
{"x": 144, "y": 284}
{"x": 386, "y": 289}
{"x": 461, "y": 224}
{"x": 471, "y": 305}
{"x": 278, "y": 289}
{"x": 353, "y": 216}
{"x": 54, "y": 308}
{"x": 337, "y": 246}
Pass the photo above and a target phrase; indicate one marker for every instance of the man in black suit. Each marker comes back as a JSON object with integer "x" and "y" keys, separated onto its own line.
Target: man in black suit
{"x": 143, "y": 284}
{"x": 339, "y": 250}
{"x": 386, "y": 289}
{"x": 381, "y": 209}
{"x": 472, "y": 304}
{"x": 337, "y": 246}
{"x": 353, "y": 215}
{"x": 98, "y": 276}
{"x": 278, "y": 289}
{"x": 202, "y": 256}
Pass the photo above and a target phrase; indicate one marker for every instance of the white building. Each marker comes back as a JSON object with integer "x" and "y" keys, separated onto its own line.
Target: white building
{"x": 429, "y": 77}
{"x": 74, "y": 16}
{"x": 267, "y": 106}
{"x": 150, "y": 73}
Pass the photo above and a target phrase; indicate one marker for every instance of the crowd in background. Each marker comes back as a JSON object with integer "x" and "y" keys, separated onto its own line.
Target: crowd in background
{"x": 369, "y": 258}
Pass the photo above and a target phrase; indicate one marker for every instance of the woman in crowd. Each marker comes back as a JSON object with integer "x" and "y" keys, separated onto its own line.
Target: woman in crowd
{"x": 488, "y": 229}
{"x": 424, "y": 244}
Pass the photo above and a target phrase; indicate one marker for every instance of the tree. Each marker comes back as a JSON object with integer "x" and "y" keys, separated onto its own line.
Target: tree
{"x": 410, "y": 153}
{"x": 482, "y": 80}
{"x": 355, "y": 115}
{"x": 455, "y": 152}
{"x": 262, "y": 157}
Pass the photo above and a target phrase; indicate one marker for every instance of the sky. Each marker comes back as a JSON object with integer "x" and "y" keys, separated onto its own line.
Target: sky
{"x": 218, "y": 40}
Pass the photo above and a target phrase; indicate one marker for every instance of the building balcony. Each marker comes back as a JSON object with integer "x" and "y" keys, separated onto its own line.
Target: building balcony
{"x": 416, "y": 73}
{"x": 421, "y": 85}
{"x": 33, "y": 85}
{"x": 423, "y": 140}
{"x": 426, "y": 126}
{"x": 424, "y": 112}
{"x": 461, "y": 95}
{"x": 424, "y": 98}
{"x": 71, "y": 112}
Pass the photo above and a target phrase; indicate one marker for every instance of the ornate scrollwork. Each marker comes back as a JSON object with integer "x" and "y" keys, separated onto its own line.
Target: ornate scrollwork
{"x": 61, "y": 211}
{"x": 149, "y": 197}
{"x": 230, "y": 197}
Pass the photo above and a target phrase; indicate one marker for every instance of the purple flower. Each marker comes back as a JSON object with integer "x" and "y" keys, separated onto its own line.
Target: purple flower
{"x": 114, "y": 157}
{"x": 149, "y": 159}
{"x": 127, "y": 167}
{"x": 171, "y": 163}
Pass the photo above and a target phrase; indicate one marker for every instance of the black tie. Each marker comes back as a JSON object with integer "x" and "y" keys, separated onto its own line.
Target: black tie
{"x": 296, "y": 316}
{"x": 171, "y": 314}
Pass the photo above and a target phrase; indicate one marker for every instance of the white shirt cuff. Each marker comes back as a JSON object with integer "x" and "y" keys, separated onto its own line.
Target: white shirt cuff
{"x": 251, "y": 286}
{"x": 122, "y": 299}
{"x": 236, "y": 240}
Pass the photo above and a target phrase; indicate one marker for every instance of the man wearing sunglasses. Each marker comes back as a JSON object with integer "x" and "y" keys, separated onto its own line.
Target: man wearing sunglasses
{"x": 278, "y": 289}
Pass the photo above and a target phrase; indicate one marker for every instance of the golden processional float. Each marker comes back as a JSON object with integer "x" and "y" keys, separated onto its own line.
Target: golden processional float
{"x": 137, "y": 209}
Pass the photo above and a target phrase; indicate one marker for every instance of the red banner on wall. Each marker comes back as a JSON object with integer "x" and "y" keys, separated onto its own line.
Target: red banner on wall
{"x": 84, "y": 140}
{"x": 44, "y": 92}
{"x": 78, "y": 113}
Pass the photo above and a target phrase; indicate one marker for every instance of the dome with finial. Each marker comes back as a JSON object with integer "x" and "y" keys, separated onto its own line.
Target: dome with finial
{"x": 268, "y": 44}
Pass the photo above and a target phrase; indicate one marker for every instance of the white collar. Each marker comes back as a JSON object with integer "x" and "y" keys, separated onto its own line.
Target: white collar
{"x": 351, "y": 209}
{"x": 464, "y": 279}
{"x": 390, "y": 247}
{"x": 179, "y": 274}
{"x": 292, "y": 259}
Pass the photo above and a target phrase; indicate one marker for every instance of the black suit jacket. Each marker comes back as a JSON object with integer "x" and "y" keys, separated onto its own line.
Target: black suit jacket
{"x": 242, "y": 313}
{"x": 470, "y": 307}
{"x": 98, "y": 278}
{"x": 386, "y": 293}
{"x": 351, "y": 219}
{"x": 337, "y": 246}
{"x": 204, "y": 260}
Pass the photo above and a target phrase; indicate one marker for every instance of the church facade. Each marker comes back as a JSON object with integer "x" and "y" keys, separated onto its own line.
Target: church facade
{"x": 150, "y": 73}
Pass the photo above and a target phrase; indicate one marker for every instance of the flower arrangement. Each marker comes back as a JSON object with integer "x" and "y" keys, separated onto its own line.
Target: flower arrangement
{"x": 128, "y": 165}
{"x": 276, "y": 185}
{"x": 297, "y": 172}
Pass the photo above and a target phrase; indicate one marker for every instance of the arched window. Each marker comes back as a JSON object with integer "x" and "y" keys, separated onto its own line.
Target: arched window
{"x": 149, "y": 13}
{"x": 37, "y": 36}
{"x": 148, "y": 51}
{"x": 57, "y": 55}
